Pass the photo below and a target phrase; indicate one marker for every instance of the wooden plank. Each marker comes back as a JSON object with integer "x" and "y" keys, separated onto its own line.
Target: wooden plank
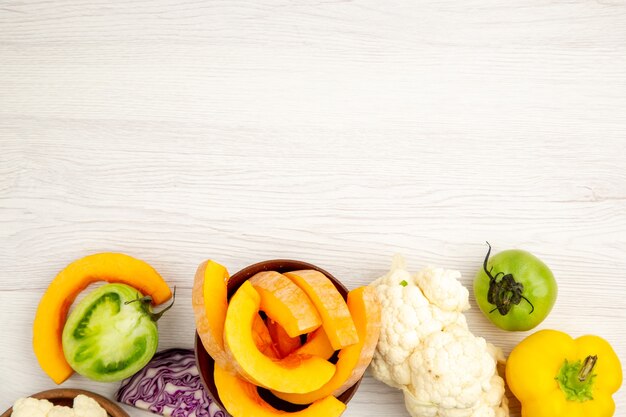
{"x": 334, "y": 132}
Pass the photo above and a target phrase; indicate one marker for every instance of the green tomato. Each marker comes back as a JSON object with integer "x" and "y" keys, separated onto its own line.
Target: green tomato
{"x": 111, "y": 334}
{"x": 515, "y": 289}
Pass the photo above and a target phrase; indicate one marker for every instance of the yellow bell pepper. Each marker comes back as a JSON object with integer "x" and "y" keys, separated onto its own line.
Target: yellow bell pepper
{"x": 554, "y": 375}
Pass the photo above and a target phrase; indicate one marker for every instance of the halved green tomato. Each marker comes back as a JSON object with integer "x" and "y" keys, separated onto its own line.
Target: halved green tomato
{"x": 111, "y": 334}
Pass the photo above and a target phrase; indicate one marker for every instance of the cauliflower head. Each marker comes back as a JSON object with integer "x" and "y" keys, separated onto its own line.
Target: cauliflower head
{"x": 83, "y": 407}
{"x": 88, "y": 407}
{"x": 426, "y": 349}
{"x": 61, "y": 411}
{"x": 31, "y": 407}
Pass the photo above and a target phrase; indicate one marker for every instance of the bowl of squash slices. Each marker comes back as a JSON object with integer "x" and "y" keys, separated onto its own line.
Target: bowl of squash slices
{"x": 282, "y": 336}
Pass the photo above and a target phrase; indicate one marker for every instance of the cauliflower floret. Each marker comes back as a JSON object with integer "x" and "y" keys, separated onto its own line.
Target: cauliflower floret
{"x": 83, "y": 407}
{"x": 60, "y": 411}
{"x": 31, "y": 407}
{"x": 407, "y": 316}
{"x": 443, "y": 288}
{"x": 426, "y": 349}
{"x": 441, "y": 355}
{"x": 88, "y": 407}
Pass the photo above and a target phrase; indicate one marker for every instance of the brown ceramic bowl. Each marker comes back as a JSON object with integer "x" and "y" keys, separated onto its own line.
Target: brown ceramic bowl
{"x": 65, "y": 396}
{"x": 204, "y": 360}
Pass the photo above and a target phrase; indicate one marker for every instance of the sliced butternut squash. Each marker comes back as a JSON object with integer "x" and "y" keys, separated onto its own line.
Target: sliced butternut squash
{"x": 354, "y": 359}
{"x": 317, "y": 344}
{"x": 282, "y": 341}
{"x": 241, "y": 399}
{"x": 209, "y": 301}
{"x": 284, "y": 302}
{"x": 294, "y": 374}
{"x": 263, "y": 339}
{"x": 336, "y": 318}
{"x": 365, "y": 308}
{"x": 55, "y": 303}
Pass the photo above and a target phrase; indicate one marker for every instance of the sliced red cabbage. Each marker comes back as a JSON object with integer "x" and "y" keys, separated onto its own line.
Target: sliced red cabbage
{"x": 169, "y": 385}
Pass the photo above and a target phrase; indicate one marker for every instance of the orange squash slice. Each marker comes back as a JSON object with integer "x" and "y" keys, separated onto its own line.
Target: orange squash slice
{"x": 294, "y": 373}
{"x": 55, "y": 303}
{"x": 336, "y": 318}
{"x": 263, "y": 339}
{"x": 354, "y": 359}
{"x": 209, "y": 301}
{"x": 317, "y": 344}
{"x": 241, "y": 399}
{"x": 284, "y": 302}
{"x": 365, "y": 308}
{"x": 282, "y": 341}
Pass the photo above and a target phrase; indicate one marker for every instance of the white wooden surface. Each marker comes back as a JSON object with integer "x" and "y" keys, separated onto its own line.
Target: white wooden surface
{"x": 336, "y": 132}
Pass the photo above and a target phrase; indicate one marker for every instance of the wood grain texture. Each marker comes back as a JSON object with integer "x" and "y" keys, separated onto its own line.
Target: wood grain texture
{"x": 335, "y": 132}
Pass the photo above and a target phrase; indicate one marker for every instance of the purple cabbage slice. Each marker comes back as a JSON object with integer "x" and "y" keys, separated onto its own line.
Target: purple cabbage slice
{"x": 169, "y": 385}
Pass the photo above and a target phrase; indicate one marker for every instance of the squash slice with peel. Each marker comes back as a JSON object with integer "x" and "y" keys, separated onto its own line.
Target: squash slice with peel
{"x": 336, "y": 319}
{"x": 294, "y": 374}
{"x": 317, "y": 344}
{"x": 365, "y": 308}
{"x": 286, "y": 303}
{"x": 209, "y": 300}
{"x": 353, "y": 360}
{"x": 263, "y": 339}
{"x": 241, "y": 399}
{"x": 283, "y": 343}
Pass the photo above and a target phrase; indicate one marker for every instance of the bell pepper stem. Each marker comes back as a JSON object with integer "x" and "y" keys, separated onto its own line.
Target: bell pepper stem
{"x": 576, "y": 379}
{"x": 587, "y": 368}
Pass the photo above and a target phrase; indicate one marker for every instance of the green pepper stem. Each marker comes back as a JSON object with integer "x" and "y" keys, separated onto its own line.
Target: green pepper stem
{"x": 587, "y": 368}
{"x": 576, "y": 379}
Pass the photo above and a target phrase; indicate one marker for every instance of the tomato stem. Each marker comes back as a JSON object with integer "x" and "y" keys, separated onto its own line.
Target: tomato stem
{"x": 146, "y": 301}
{"x": 507, "y": 292}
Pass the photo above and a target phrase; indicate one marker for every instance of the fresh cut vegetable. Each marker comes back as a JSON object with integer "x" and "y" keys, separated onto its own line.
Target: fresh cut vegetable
{"x": 515, "y": 289}
{"x": 354, "y": 359}
{"x": 283, "y": 343}
{"x": 426, "y": 349}
{"x": 554, "y": 375}
{"x": 111, "y": 333}
{"x": 83, "y": 406}
{"x": 55, "y": 303}
{"x": 241, "y": 399}
{"x": 209, "y": 300}
{"x": 336, "y": 319}
{"x": 169, "y": 385}
{"x": 272, "y": 336}
{"x": 293, "y": 374}
{"x": 317, "y": 344}
{"x": 286, "y": 303}
{"x": 263, "y": 339}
